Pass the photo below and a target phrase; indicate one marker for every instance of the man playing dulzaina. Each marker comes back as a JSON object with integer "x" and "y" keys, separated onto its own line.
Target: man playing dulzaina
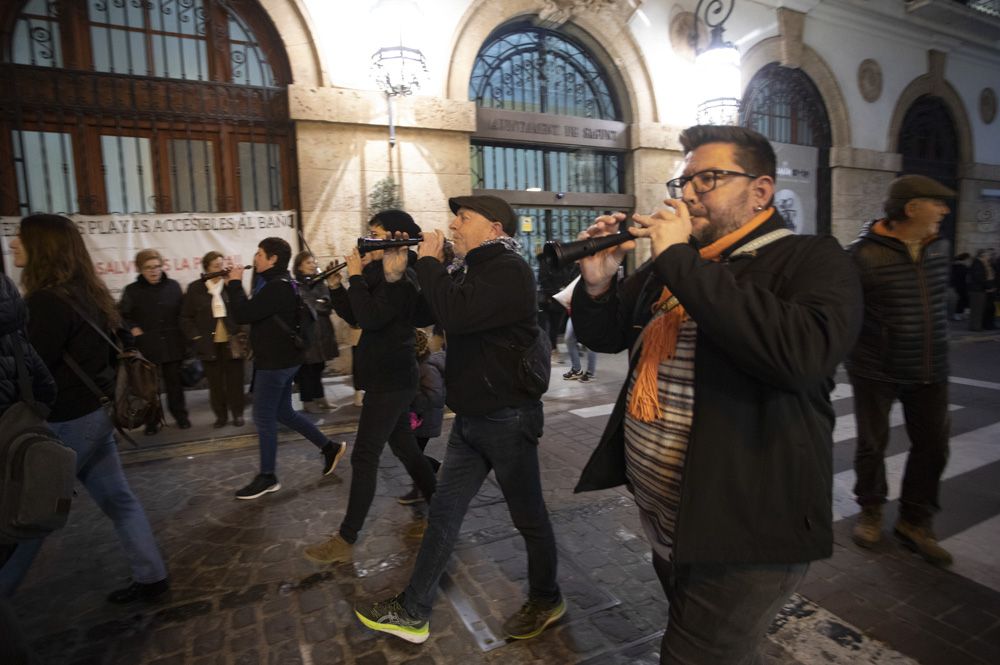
{"x": 487, "y": 309}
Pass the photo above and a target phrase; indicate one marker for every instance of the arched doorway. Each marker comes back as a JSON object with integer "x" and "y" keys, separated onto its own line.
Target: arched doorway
{"x": 143, "y": 107}
{"x": 784, "y": 105}
{"x": 928, "y": 141}
{"x": 550, "y": 137}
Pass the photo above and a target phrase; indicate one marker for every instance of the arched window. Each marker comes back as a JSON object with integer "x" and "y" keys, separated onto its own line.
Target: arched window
{"x": 143, "y": 106}
{"x": 784, "y": 105}
{"x": 928, "y": 141}
{"x": 534, "y": 69}
{"x": 550, "y": 138}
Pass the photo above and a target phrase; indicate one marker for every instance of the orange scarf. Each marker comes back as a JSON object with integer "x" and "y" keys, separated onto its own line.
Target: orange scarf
{"x": 659, "y": 340}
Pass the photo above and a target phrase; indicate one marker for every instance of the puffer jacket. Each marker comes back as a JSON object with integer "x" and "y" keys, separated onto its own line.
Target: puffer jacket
{"x": 904, "y": 337}
{"x": 13, "y": 318}
{"x": 429, "y": 402}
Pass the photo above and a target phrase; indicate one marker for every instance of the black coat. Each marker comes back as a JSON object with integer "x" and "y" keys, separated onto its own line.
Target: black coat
{"x": 904, "y": 337}
{"x": 156, "y": 308}
{"x": 13, "y": 319}
{"x": 484, "y": 311}
{"x": 324, "y": 344}
{"x": 55, "y": 328}
{"x": 198, "y": 322}
{"x": 384, "y": 359}
{"x": 275, "y": 298}
{"x": 772, "y": 327}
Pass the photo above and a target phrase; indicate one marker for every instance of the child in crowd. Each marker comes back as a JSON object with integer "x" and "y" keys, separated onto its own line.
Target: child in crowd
{"x": 427, "y": 409}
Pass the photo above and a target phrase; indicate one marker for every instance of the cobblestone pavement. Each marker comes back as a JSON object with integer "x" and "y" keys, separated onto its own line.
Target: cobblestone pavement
{"x": 243, "y": 593}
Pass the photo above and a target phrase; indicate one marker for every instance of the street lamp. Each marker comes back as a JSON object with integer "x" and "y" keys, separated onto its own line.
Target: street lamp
{"x": 398, "y": 70}
{"x": 717, "y": 66}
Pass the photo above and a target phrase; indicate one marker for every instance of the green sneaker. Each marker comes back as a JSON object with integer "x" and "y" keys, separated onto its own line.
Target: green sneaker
{"x": 533, "y": 617}
{"x": 389, "y": 616}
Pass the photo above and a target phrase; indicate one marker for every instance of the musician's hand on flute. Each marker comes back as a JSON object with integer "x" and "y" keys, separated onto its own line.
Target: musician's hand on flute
{"x": 665, "y": 227}
{"x": 598, "y": 270}
{"x": 354, "y": 263}
{"x": 394, "y": 259}
{"x": 333, "y": 280}
{"x": 432, "y": 245}
{"x": 235, "y": 273}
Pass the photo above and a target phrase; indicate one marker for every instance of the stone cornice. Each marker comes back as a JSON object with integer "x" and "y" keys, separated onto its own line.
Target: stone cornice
{"x": 862, "y": 158}
{"x": 364, "y": 107}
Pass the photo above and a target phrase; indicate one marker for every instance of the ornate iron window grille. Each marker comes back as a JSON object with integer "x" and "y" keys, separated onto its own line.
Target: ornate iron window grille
{"x": 784, "y": 105}
{"x": 527, "y": 68}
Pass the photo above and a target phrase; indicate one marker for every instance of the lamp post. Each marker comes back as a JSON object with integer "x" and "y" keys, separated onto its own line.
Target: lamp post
{"x": 398, "y": 70}
{"x": 717, "y": 66}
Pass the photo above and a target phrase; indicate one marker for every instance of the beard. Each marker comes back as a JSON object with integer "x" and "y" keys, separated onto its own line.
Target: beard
{"x": 722, "y": 221}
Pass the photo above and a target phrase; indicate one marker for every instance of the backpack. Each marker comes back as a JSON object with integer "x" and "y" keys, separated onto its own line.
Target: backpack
{"x": 136, "y": 400}
{"x": 304, "y": 333}
{"x": 36, "y": 470}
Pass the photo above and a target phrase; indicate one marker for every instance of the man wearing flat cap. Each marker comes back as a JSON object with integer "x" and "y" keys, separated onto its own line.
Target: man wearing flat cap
{"x": 902, "y": 354}
{"x": 485, "y": 301}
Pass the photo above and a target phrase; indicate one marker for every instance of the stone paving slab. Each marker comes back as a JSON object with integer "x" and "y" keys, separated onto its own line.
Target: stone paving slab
{"x": 242, "y": 592}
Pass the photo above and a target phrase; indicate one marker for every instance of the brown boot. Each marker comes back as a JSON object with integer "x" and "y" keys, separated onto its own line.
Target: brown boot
{"x": 921, "y": 539}
{"x": 334, "y": 550}
{"x": 867, "y": 531}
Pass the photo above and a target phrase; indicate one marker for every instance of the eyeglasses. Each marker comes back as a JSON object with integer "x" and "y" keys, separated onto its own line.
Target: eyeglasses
{"x": 151, "y": 267}
{"x": 703, "y": 181}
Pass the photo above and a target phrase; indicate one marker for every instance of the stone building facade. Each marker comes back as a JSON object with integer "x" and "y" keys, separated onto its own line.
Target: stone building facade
{"x": 888, "y": 86}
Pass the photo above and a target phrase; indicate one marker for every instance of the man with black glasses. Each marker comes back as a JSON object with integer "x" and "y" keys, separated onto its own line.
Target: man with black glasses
{"x": 723, "y": 429}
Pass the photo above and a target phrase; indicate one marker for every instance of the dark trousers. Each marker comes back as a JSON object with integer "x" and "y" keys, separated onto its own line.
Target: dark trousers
{"x": 385, "y": 416}
{"x": 719, "y": 612}
{"x": 554, "y": 319}
{"x": 310, "y": 381}
{"x": 925, "y": 409}
{"x": 506, "y": 442}
{"x": 225, "y": 382}
{"x": 171, "y": 373}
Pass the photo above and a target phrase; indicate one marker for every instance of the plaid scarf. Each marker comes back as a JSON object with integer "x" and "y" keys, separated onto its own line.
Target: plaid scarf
{"x": 659, "y": 339}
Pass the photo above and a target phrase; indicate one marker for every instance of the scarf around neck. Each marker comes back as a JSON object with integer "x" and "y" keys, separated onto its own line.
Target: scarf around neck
{"x": 659, "y": 339}
{"x": 214, "y": 287}
{"x": 459, "y": 265}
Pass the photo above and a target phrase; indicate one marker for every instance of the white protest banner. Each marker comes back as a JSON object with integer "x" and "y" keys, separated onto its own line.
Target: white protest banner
{"x": 181, "y": 238}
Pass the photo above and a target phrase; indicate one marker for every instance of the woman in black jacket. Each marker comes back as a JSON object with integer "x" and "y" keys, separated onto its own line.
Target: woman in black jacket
{"x": 151, "y": 309}
{"x": 324, "y": 343}
{"x": 62, "y": 288}
{"x": 218, "y": 341}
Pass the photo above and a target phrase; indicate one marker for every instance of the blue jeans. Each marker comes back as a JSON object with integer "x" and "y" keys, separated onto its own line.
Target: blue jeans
{"x": 100, "y": 471}
{"x": 272, "y": 404}
{"x": 505, "y": 441}
{"x": 574, "y": 352}
{"x": 719, "y": 612}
